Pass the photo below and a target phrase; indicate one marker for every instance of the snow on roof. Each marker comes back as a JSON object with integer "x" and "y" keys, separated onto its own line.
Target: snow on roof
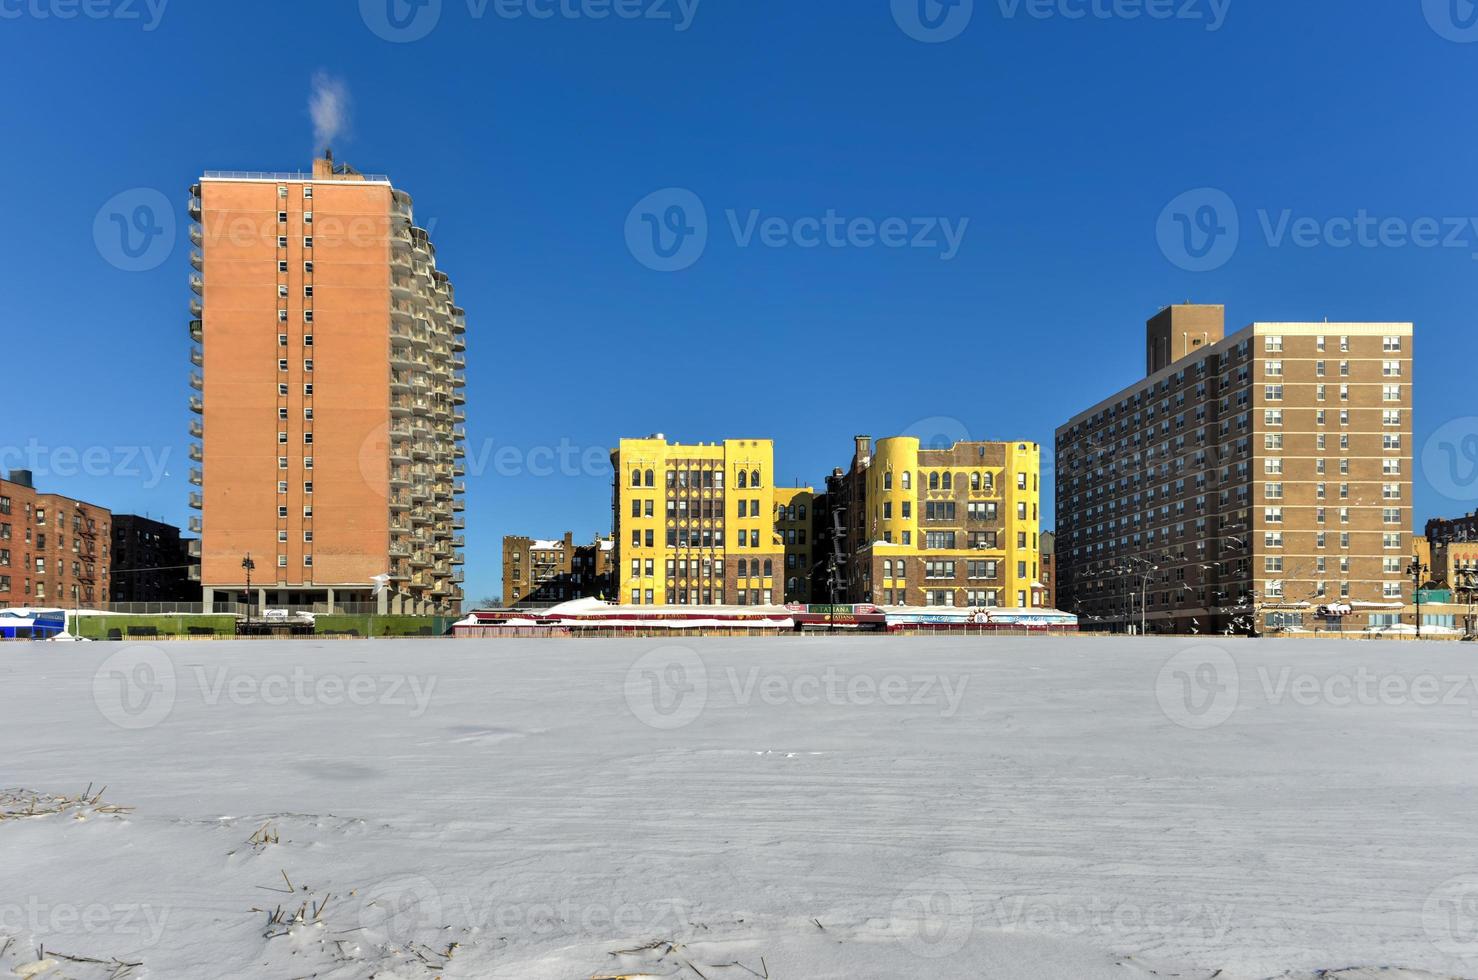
{"x": 546, "y": 545}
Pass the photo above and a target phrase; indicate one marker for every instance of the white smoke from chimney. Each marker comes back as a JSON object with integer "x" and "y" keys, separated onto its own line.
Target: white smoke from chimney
{"x": 328, "y": 104}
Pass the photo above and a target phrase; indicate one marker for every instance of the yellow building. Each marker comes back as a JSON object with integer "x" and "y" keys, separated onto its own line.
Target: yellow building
{"x": 695, "y": 524}
{"x": 942, "y": 527}
{"x": 795, "y": 509}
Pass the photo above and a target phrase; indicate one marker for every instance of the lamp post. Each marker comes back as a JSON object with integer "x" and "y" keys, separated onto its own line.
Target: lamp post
{"x": 1416, "y": 570}
{"x": 249, "y": 565}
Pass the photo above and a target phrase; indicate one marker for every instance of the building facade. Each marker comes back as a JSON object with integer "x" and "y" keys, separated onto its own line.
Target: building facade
{"x": 54, "y": 551}
{"x": 329, "y": 394}
{"x": 911, "y": 526}
{"x": 151, "y": 562}
{"x": 795, "y": 516}
{"x": 1049, "y": 573}
{"x": 696, "y": 524}
{"x": 1452, "y": 552}
{"x": 1249, "y": 482}
{"x": 543, "y": 571}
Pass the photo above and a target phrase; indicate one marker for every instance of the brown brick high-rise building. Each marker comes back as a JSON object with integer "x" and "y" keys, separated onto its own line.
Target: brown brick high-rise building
{"x": 53, "y": 549}
{"x": 328, "y": 366}
{"x": 1253, "y": 482}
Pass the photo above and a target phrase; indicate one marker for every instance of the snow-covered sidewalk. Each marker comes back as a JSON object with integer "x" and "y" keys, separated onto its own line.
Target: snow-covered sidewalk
{"x": 800, "y": 809}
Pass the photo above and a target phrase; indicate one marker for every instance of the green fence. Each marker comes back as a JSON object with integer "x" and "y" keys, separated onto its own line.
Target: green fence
{"x": 145, "y": 627}
{"x": 367, "y": 626}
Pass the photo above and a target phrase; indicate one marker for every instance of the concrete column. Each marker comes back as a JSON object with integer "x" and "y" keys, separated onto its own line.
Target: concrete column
{"x": 208, "y": 600}
{"x": 382, "y": 602}
{"x": 330, "y": 600}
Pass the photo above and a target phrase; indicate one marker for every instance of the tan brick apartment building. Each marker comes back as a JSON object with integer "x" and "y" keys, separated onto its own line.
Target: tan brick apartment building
{"x": 541, "y": 571}
{"x": 53, "y": 549}
{"x": 1249, "y": 482}
{"x": 330, "y": 394}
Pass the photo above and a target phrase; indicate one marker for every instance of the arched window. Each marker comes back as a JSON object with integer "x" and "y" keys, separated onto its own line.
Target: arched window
{"x": 907, "y": 480}
{"x": 888, "y": 480}
{"x": 801, "y": 512}
{"x": 933, "y": 481}
{"x": 947, "y": 482}
{"x": 974, "y": 481}
{"x": 636, "y": 478}
{"x": 769, "y": 568}
{"x": 792, "y": 585}
{"x": 743, "y": 480}
{"x": 754, "y": 479}
{"x": 651, "y": 478}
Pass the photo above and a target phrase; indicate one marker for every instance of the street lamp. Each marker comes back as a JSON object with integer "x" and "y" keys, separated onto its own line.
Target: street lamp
{"x": 249, "y": 565}
{"x": 1416, "y": 570}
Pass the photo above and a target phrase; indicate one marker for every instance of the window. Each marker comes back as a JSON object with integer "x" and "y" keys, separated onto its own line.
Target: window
{"x": 1391, "y": 369}
{"x": 307, "y": 340}
{"x": 282, "y": 364}
{"x": 308, "y": 364}
{"x": 1391, "y": 344}
{"x": 282, "y": 316}
{"x": 307, "y": 316}
{"x": 282, "y": 340}
{"x": 308, "y": 241}
{"x": 307, "y": 561}
{"x": 1272, "y": 344}
{"x": 308, "y": 390}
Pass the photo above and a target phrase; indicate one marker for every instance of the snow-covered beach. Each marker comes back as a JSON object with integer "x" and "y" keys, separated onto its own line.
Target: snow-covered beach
{"x": 793, "y": 808}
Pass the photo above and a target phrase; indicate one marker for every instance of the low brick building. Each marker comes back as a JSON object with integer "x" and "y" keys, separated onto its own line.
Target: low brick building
{"x": 539, "y": 571}
{"x": 54, "y": 551}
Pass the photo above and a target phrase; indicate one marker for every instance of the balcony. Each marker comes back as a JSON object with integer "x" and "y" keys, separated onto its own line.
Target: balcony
{"x": 420, "y": 559}
{"x": 459, "y": 381}
{"x": 197, "y": 357}
{"x": 459, "y": 488}
{"x": 197, "y": 476}
{"x": 197, "y": 284}
{"x": 197, "y": 381}
{"x": 400, "y": 502}
{"x": 197, "y": 454}
{"x": 197, "y": 525}
{"x": 399, "y": 382}
{"x": 197, "y": 405}
{"x": 458, "y": 504}
{"x": 459, "y": 559}
{"x": 197, "y": 260}
{"x": 197, "y": 502}
{"x": 193, "y": 548}
{"x": 194, "y": 207}
{"x": 194, "y": 573}
{"x": 197, "y": 331}
{"x": 402, "y": 206}
{"x": 459, "y": 542}
{"x": 197, "y": 308}
{"x": 402, "y": 287}
{"x": 459, "y": 524}
{"x": 197, "y": 235}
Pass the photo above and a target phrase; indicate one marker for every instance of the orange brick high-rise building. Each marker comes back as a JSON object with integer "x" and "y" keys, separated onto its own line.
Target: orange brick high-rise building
{"x": 329, "y": 390}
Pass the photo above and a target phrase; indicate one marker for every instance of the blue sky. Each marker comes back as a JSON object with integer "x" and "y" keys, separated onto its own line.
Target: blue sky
{"x": 1051, "y": 144}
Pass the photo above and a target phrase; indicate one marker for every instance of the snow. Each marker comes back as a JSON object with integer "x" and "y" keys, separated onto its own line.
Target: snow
{"x": 806, "y": 807}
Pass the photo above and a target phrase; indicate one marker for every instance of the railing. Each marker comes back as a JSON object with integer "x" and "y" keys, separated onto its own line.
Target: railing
{"x": 197, "y": 525}
{"x": 292, "y": 176}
